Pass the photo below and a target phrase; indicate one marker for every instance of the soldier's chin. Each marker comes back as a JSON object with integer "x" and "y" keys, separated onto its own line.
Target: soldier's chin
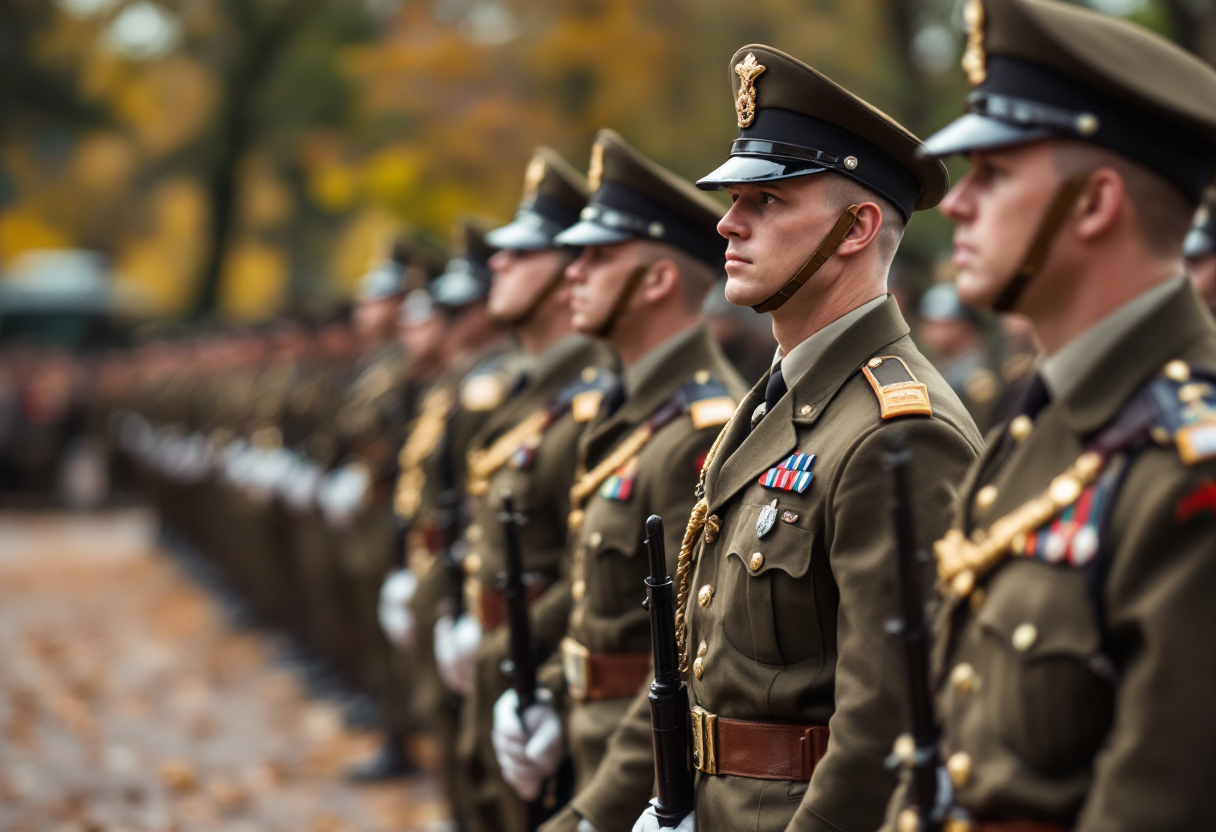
{"x": 976, "y": 290}
{"x": 744, "y": 290}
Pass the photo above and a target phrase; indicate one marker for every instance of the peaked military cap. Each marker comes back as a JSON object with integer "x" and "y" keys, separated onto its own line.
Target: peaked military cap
{"x": 795, "y": 121}
{"x": 382, "y": 281}
{"x": 554, "y": 193}
{"x": 637, "y": 199}
{"x": 1201, "y": 239}
{"x": 467, "y": 276}
{"x": 1045, "y": 69}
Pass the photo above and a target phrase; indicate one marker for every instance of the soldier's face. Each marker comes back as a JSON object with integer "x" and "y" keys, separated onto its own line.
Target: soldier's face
{"x": 519, "y": 278}
{"x": 597, "y": 278}
{"x": 997, "y": 208}
{"x": 772, "y": 229}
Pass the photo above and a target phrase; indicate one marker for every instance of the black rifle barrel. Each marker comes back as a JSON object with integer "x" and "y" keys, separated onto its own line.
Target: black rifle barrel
{"x": 453, "y": 564}
{"x": 523, "y": 654}
{"x": 669, "y": 711}
{"x": 913, "y": 632}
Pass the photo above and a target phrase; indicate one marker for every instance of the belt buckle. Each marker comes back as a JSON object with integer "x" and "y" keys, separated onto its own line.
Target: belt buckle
{"x": 704, "y": 740}
{"x": 576, "y": 668}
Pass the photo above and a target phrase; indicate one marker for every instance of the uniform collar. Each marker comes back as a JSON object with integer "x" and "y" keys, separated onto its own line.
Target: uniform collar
{"x": 743, "y": 456}
{"x": 803, "y": 356}
{"x": 1141, "y": 350}
{"x": 1066, "y": 369}
{"x": 638, "y": 376}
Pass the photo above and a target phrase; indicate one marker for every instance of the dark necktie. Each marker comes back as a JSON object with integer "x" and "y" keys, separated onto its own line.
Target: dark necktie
{"x": 773, "y": 391}
{"x": 613, "y": 399}
{"x": 1034, "y": 398}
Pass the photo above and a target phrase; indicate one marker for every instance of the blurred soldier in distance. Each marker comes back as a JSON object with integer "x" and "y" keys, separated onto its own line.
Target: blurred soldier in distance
{"x": 1200, "y": 251}
{"x": 954, "y": 338}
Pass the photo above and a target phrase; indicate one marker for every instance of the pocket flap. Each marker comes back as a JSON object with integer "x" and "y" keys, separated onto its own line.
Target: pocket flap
{"x": 1038, "y": 610}
{"x": 785, "y": 546}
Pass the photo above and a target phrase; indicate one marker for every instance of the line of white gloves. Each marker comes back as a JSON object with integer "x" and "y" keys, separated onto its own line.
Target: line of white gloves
{"x": 396, "y": 619}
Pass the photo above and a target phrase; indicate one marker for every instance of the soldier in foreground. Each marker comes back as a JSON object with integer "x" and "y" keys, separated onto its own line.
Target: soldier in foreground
{"x": 1075, "y": 637}
{"x": 651, "y": 255}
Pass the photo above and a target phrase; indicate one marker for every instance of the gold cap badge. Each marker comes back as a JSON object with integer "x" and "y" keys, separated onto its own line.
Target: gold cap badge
{"x": 534, "y": 175}
{"x": 748, "y": 71}
{"x": 595, "y": 171}
{"x": 974, "y": 62}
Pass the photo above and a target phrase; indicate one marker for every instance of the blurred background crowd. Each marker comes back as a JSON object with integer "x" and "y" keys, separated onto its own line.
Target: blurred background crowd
{"x": 202, "y": 203}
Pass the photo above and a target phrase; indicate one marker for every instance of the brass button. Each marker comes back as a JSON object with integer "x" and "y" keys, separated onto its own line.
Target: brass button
{"x": 705, "y": 595}
{"x": 702, "y": 376}
{"x": 589, "y": 374}
{"x": 472, "y": 563}
{"x": 905, "y": 749}
{"x": 757, "y": 561}
{"x": 702, "y": 649}
{"x": 963, "y": 678}
{"x": 909, "y": 821}
{"x": 1020, "y": 427}
{"x": 805, "y": 410}
{"x": 959, "y": 768}
{"x": 1024, "y": 637}
{"x": 985, "y": 497}
{"x": 595, "y": 539}
{"x": 698, "y": 668}
{"x": 874, "y": 362}
{"x": 579, "y": 590}
{"x": 475, "y": 533}
{"x": 1178, "y": 371}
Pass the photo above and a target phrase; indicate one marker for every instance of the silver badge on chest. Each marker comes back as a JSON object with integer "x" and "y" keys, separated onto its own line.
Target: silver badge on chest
{"x": 767, "y": 519}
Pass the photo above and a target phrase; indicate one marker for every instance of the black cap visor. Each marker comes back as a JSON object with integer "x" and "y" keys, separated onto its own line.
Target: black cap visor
{"x": 749, "y": 169}
{"x": 976, "y": 132}
{"x": 529, "y": 231}
{"x": 589, "y": 233}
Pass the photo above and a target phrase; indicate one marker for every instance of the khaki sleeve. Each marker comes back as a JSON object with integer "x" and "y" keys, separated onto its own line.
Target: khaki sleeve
{"x": 851, "y": 787}
{"x": 1158, "y": 768}
{"x": 624, "y": 783}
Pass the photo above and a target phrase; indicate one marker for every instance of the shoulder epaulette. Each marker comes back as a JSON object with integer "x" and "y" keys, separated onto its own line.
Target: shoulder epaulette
{"x": 1184, "y": 410}
{"x": 488, "y": 384}
{"x": 585, "y": 394}
{"x": 706, "y": 400}
{"x": 897, "y": 388}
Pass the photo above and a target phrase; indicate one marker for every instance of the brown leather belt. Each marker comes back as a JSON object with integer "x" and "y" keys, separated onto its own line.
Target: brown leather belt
{"x": 594, "y": 676}
{"x": 760, "y": 750}
{"x": 494, "y": 601}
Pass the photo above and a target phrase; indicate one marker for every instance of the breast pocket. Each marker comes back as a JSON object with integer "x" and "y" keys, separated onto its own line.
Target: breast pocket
{"x": 615, "y": 572}
{"x": 767, "y": 588}
{"x": 1040, "y": 666}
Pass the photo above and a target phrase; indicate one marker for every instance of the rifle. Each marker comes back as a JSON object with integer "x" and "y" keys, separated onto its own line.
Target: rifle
{"x": 669, "y": 711}
{"x": 448, "y": 517}
{"x": 521, "y": 665}
{"x": 917, "y": 750}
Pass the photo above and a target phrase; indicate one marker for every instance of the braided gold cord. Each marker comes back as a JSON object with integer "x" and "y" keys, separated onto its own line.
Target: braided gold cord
{"x": 483, "y": 463}
{"x": 424, "y": 435}
{"x": 696, "y": 522}
{"x": 624, "y": 452}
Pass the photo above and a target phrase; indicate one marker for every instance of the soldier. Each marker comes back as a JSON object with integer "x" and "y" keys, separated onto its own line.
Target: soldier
{"x": 479, "y": 370}
{"x": 954, "y": 337}
{"x": 529, "y": 448}
{"x": 1200, "y": 251}
{"x": 1075, "y": 640}
{"x": 651, "y": 256}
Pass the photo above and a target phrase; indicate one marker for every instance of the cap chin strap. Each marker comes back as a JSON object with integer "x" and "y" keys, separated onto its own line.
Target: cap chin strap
{"x": 545, "y": 293}
{"x": 622, "y": 300}
{"x": 839, "y": 231}
{"x": 1053, "y": 221}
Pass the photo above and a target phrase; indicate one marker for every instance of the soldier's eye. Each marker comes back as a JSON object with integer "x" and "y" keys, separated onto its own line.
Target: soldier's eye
{"x": 767, "y": 198}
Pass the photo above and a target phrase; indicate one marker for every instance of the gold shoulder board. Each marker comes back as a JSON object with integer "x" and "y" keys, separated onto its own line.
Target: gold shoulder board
{"x": 586, "y": 404}
{"x": 898, "y": 391}
{"x": 707, "y": 413}
{"x": 484, "y": 391}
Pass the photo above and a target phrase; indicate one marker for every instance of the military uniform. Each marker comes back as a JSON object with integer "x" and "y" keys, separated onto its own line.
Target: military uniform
{"x": 1074, "y": 646}
{"x": 785, "y": 576}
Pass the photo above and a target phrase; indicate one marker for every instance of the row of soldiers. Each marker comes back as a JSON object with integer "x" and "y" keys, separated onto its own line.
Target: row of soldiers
{"x": 1073, "y": 668}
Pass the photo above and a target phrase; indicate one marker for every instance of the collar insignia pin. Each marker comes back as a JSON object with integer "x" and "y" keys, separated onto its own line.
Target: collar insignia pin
{"x": 766, "y": 520}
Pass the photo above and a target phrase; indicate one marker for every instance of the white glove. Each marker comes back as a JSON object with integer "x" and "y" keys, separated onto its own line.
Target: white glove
{"x": 529, "y": 752}
{"x": 342, "y": 494}
{"x": 298, "y": 490}
{"x": 649, "y": 821}
{"x": 395, "y": 617}
{"x": 456, "y": 651}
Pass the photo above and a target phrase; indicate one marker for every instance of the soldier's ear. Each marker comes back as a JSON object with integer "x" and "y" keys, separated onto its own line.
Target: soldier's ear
{"x": 661, "y": 281}
{"x": 864, "y": 232}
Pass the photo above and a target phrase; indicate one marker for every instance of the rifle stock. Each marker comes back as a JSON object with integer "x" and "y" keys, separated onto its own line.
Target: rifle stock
{"x": 918, "y": 750}
{"x": 669, "y": 710}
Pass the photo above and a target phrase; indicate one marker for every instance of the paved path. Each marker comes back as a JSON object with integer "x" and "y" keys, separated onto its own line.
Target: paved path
{"x": 128, "y": 703}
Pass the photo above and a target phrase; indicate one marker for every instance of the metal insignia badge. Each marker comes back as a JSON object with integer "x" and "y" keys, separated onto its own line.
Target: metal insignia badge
{"x": 766, "y": 520}
{"x": 974, "y": 61}
{"x": 595, "y": 171}
{"x": 748, "y": 71}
